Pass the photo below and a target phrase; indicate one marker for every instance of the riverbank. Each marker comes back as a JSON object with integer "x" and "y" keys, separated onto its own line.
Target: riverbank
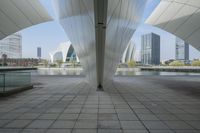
{"x": 172, "y": 69}
{"x": 3, "y": 69}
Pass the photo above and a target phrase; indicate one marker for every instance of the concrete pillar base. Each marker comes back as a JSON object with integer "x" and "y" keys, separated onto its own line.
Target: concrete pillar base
{"x": 100, "y": 88}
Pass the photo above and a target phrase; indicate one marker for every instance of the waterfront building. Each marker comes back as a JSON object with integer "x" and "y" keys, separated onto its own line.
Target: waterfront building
{"x": 65, "y": 53}
{"x": 11, "y": 46}
{"x": 150, "y": 50}
{"x": 182, "y": 50}
{"x": 39, "y": 52}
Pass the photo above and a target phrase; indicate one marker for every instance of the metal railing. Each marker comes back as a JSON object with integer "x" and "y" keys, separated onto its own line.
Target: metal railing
{"x": 12, "y": 80}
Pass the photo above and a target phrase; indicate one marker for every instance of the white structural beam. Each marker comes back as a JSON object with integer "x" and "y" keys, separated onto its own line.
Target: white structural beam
{"x": 16, "y": 15}
{"x": 100, "y": 31}
{"x": 179, "y": 17}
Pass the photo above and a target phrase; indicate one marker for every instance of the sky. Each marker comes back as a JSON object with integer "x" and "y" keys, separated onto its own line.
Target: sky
{"x": 50, "y": 34}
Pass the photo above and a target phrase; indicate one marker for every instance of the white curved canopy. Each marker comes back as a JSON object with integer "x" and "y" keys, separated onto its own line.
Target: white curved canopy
{"x": 179, "y": 17}
{"x": 16, "y": 15}
{"x": 129, "y": 52}
{"x": 100, "y": 31}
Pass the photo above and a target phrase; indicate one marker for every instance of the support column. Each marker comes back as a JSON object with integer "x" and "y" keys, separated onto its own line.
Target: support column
{"x": 100, "y": 12}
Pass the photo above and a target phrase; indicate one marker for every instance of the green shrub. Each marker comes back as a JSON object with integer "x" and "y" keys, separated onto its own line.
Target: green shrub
{"x": 176, "y": 63}
{"x": 132, "y": 64}
{"x": 196, "y": 63}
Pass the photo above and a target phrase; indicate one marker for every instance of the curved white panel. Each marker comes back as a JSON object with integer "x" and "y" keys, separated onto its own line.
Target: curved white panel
{"x": 77, "y": 19}
{"x": 100, "y": 31}
{"x": 123, "y": 19}
{"x": 129, "y": 53}
{"x": 179, "y": 17}
{"x": 16, "y": 15}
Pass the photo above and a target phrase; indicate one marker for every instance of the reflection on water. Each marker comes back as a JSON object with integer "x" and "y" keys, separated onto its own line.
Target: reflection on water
{"x": 119, "y": 72}
{"x": 58, "y": 71}
{"x": 137, "y": 71}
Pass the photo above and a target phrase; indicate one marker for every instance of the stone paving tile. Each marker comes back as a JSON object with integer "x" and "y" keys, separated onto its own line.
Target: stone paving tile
{"x": 86, "y": 124}
{"x": 48, "y": 116}
{"x": 28, "y": 116}
{"x": 147, "y": 117}
{"x": 33, "y": 131}
{"x": 109, "y": 124}
{"x": 178, "y": 125}
{"x": 40, "y": 124}
{"x": 155, "y": 125}
{"x": 136, "y": 131}
{"x": 87, "y": 116}
{"x": 63, "y": 124}
{"x": 3, "y": 122}
{"x": 194, "y": 124}
{"x": 84, "y": 131}
{"x": 58, "y": 131}
{"x": 132, "y": 125}
{"x": 166, "y": 117}
{"x": 130, "y": 106}
{"x": 110, "y": 131}
{"x": 108, "y": 117}
{"x": 68, "y": 116}
{"x": 18, "y": 124}
{"x": 10, "y": 130}
{"x": 127, "y": 117}
{"x": 161, "y": 131}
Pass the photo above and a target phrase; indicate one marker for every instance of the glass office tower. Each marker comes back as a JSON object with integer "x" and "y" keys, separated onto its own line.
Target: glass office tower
{"x": 182, "y": 50}
{"x": 12, "y": 46}
{"x": 150, "y": 50}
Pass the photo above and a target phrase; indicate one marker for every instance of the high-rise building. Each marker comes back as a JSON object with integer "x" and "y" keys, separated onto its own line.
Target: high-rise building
{"x": 11, "y": 46}
{"x": 39, "y": 52}
{"x": 182, "y": 50}
{"x": 150, "y": 50}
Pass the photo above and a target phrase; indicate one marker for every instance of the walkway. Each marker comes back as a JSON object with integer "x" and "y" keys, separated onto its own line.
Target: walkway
{"x": 61, "y": 104}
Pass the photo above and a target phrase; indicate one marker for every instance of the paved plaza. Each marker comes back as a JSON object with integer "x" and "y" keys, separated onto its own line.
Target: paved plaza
{"x": 61, "y": 104}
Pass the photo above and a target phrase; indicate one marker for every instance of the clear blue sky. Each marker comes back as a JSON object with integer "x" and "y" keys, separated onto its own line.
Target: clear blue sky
{"x": 49, "y": 35}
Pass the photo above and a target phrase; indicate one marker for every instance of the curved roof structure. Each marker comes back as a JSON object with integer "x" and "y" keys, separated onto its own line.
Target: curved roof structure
{"x": 16, "y": 15}
{"x": 100, "y": 31}
{"x": 179, "y": 17}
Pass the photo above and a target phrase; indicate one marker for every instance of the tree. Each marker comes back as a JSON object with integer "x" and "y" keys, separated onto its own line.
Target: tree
{"x": 196, "y": 63}
{"x": 177, "y": 63}
{"x": 46, "y": 63}
{"x": 132, "y": 64}
{"x": 59, "y": 62}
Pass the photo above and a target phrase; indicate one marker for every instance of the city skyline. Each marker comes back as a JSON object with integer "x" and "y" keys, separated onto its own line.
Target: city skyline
{"x": 50, "y": 34}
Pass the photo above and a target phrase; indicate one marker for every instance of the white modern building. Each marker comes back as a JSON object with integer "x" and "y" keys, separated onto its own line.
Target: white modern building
{"x": 65, "y": 53}
{"x": 11, "y": 46}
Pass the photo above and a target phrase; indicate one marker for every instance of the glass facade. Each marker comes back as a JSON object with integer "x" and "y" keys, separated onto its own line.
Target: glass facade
{"x": 150, "y": 50}
{"x": 182, "y": 50}
{"x": 12, "y": 46}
